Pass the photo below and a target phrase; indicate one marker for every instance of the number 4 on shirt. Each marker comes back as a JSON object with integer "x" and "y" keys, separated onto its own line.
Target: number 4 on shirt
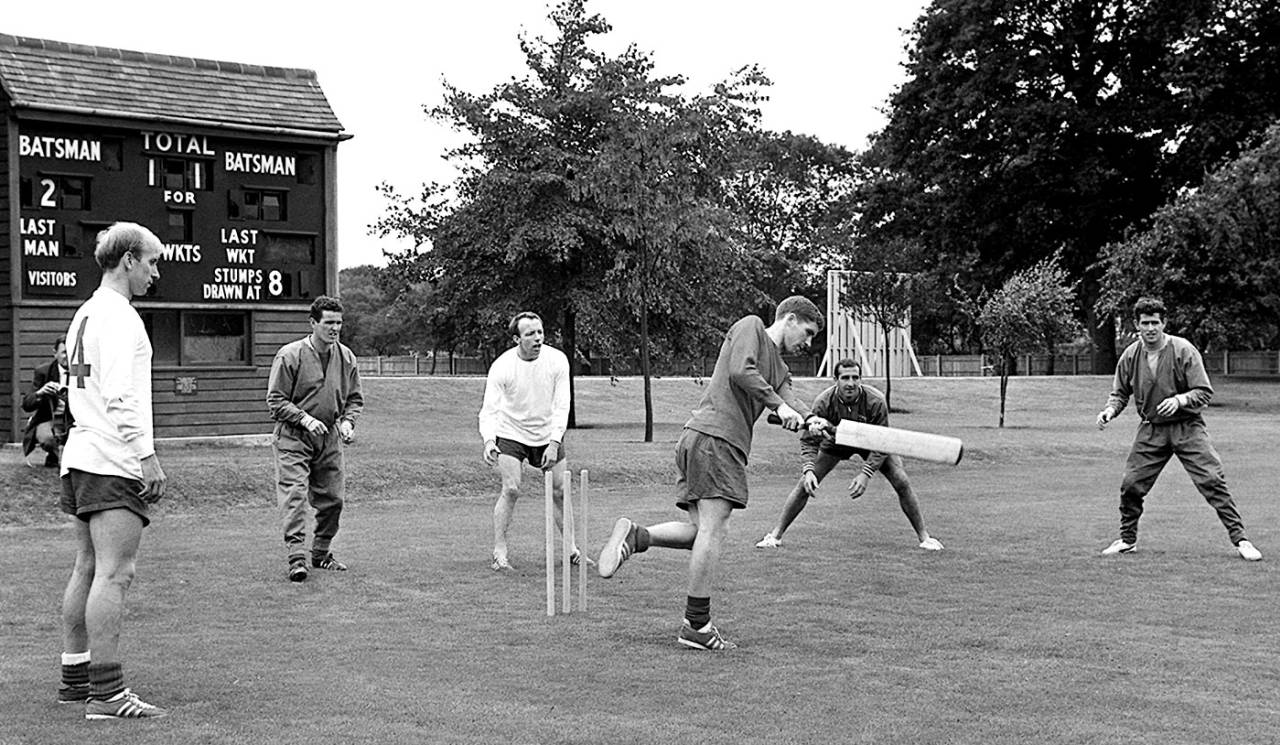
{"x": 78, "y": 369}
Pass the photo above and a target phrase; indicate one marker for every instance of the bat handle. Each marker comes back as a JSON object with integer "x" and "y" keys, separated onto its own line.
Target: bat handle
{"x": 775, "y": 419}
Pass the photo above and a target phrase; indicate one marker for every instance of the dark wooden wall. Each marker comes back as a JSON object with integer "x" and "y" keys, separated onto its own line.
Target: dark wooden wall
{"x": 228, "y": 400}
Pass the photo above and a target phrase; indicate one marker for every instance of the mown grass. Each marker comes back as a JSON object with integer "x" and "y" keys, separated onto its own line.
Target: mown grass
{"x": 1018, "y": 632}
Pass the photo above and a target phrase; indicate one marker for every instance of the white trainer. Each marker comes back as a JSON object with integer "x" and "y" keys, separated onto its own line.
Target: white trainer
{"x": 769, "y": 541}
{"x": 1119, "y": 547}
{"x": 1248, "y": 552}
{"x": 931, "y": 544}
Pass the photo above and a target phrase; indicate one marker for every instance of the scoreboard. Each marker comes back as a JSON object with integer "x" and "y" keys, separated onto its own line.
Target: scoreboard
{"x": 242, "y": 220}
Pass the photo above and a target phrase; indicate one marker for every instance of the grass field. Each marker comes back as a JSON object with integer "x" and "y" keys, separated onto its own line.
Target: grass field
{"x": 1017, "y": 633}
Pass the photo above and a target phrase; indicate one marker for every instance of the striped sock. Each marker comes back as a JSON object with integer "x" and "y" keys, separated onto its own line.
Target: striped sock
{"x": 106, "y": 679}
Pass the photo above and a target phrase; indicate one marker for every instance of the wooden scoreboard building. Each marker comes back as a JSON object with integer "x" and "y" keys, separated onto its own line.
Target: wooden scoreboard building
{"x": 233, "y": 166}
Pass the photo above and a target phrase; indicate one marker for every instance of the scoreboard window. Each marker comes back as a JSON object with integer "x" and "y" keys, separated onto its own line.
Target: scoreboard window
{"x": 179, "y": 228}
{"x": 184, "y": 174}
{"x": 257, "y": 204}
{"x": 195, "y": 338}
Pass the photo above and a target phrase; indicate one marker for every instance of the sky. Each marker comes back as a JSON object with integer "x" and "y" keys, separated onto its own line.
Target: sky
{"x": 380, "y": 62}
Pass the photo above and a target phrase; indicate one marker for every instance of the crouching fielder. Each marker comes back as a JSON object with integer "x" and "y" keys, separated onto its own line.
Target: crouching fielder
{"x": 848, "y": 399}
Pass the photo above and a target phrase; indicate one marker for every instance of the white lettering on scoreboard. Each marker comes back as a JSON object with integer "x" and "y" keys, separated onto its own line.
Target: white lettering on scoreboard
{"x": 51, "y": 279}
{"x": 274, "y": 165}
{"x": 187, "y": 253}
{"x": 43, "y": 244}
{"x": 166, "y": 142}
{"x": 64, "y": 148}
{"x": 231, "y": 283}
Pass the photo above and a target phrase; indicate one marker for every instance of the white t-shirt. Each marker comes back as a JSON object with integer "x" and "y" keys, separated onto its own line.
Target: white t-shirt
{"x": 108, "y": 388}
{"x": 527, "y": 400}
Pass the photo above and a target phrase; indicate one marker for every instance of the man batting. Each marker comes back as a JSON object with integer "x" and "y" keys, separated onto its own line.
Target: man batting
{"x": 711, "y": 455}
{"x": 849, "y": 399}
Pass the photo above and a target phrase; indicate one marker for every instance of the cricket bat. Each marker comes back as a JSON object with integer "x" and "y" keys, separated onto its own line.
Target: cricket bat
{"x": 905, "y": 442}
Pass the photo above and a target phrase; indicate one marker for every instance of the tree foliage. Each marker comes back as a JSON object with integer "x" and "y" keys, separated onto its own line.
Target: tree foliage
{"x": 1213, "y": 254}
{"x": 1028, "y": 127}
{"x": 1031, "y": 310}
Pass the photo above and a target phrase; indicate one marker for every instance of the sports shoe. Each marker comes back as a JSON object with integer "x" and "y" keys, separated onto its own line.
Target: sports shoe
{"x": 1248, "y": 552}
{"x": 707, "y": 638}
{"x": 500, "y": 564}
{"x": 328, "y": 562}
{"x": 297, "y": 570}
{"x": 931, "y": 544}
{"x": 73, "y": 694}
{"x": 769, "y": 541}
{"x": 1119, "y": 547}
{"x": 577, "y": 558}
{"x": 619, "y": 547}
{"x": 123, "y": 705}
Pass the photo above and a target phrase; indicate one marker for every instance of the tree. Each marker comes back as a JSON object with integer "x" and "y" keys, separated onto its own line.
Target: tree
{"x": 787, "y": 191}
{"x": 1213, "y": 254}
{"x": 659, "y": 184}
{"x": 1032, "y": 306}
{"x": 513, "y": 233}
{"x": 1031, "y": 126}
{"x": 369, "y": 322}
{"x": 882, "y": 287}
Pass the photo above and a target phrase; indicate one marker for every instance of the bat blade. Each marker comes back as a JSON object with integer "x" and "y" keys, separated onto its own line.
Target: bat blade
{"x": 905, "y": 442}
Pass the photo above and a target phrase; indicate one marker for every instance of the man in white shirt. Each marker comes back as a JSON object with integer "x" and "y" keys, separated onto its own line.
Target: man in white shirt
{"x": 524, "y": 417}
{"x": 110, "y": 475}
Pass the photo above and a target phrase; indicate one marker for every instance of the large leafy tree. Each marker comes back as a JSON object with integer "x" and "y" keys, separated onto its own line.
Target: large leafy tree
{"x": 514, "y": 232}
{"x": 659, "y": 184}
{"x": 789, "y": 192}
{"x": 1213, "y": 255}
{"x": 1032, "y": 126}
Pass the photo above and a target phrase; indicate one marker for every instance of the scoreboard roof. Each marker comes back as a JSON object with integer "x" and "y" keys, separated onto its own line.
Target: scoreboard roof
{"x": 55, "y": 76}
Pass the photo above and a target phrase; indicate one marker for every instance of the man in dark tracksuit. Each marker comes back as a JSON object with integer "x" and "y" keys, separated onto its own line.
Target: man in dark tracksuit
{"x": 1166, "y": 377}
{"x": 314, "y": 396}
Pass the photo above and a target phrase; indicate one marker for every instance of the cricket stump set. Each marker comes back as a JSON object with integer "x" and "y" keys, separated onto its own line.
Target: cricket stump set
{"x": 572, "y": 526}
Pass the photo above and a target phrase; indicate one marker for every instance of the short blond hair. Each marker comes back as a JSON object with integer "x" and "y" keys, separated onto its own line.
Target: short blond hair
{"x": 119, "y": 239}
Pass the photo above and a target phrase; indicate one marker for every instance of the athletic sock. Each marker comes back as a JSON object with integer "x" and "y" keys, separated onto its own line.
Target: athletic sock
{"x": 75, "y": 669}
{"x": 106, "y": 679}
{"x": 642, "y": 539}
{"x": 697, "y": 611}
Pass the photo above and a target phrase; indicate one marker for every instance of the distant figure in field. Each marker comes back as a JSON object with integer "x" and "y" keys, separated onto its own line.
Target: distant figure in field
{"x": 315, "y": 397}
{"x": 856, "y": 401}
{"x": 1165, "y": 374}
{"x": 47, "y": 403}
{"x": 523, "y": 418}
{"x": 110, "y": 473}
{"x": 711, "y": 455}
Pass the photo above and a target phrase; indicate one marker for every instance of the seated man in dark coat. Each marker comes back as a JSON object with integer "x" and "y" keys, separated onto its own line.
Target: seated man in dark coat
{"x": 50, "y": 419}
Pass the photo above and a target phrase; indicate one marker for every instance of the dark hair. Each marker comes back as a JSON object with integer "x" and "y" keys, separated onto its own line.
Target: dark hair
{"x": 62, "y": 339}
{"x": 1148, "y": 306}
{"x": 119, "y": 239}
{"x": 513, "y": 328}
{"x": 846, "y": 362}
{"x": 802, "y": 306}
{"x": 323, "y": 303}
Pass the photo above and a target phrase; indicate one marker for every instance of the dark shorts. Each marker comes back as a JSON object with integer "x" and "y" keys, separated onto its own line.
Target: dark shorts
{"x": 86, "y": 493}
{"x": 521, "y": 451}
{"x": 710, "y": 468}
